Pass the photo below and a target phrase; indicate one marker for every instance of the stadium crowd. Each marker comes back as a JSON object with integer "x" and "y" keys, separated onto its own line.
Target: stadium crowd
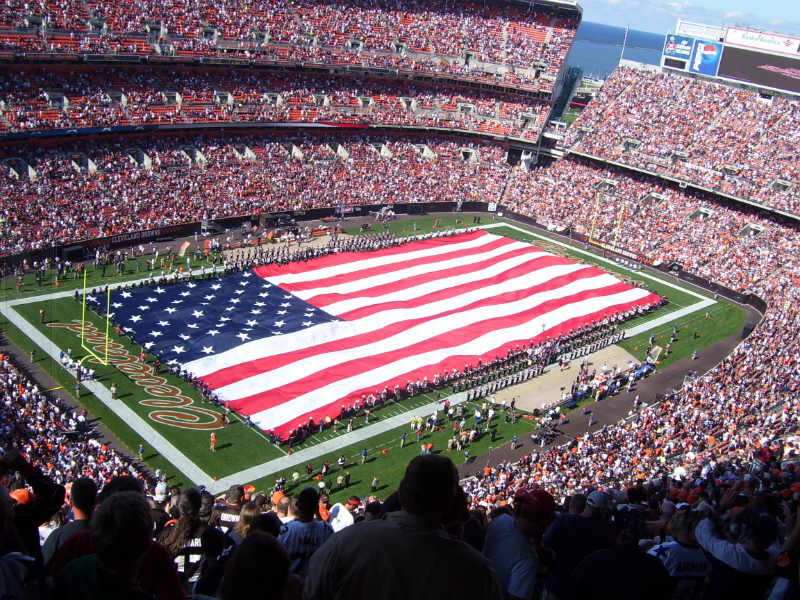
{"x": 735, "y": 141}
{"x": 43, "y": 99}
{"x": 86, "y": 190}
{"x": 694, "y": 496}
{"x": 506, "y": 43}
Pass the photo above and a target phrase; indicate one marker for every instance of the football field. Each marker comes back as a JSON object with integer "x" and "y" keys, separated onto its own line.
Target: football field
{"x": 168, "y": 415}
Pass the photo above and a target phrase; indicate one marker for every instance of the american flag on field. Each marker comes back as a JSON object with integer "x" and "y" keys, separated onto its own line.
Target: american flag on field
{"x": 285, "y": 343}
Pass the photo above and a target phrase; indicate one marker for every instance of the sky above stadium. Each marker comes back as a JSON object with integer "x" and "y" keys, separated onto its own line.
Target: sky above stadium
{"x": 659, "y": 16}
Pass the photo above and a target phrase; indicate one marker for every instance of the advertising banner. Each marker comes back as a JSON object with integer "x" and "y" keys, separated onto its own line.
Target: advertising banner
{"x": 705, "y": 58}
{"x": 768, "y": 70}
{"x": 678, "y": 46}
{"x": 699, "y": 30}
{"x": 759, "y": 40}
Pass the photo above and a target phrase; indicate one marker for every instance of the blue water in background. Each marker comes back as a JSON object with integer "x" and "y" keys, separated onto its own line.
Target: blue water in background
{"x": 597, "y": 47}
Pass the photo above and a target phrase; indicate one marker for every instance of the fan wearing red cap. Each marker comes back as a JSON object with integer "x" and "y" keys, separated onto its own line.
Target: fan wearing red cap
{"x": 510, "y": 542}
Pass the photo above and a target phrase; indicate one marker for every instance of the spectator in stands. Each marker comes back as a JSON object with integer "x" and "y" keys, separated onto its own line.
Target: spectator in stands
{"x": 512, "y": 542}
{"x": 82, "y": 499}
{"x": 121, "y": 534}
{"x": 744, "y": 565}
{"x": 245, "y": 523}
{"x": 225, "y": 516}
{"x": 341, "y": 515}
{"x": 572, "y": 537}
{"x": 32, "y": 506}
{"x": 303, "y": 536}
{"x": 260, "y": 565}
{"x": 156, "y": 574}
{"x": 407, "y": 550}
{"x": 685, "y": 561}
{"x": 183, "y": 537}
{"x": 623, "y": 571}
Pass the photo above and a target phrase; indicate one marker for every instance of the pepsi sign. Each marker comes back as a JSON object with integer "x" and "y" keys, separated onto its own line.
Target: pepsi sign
{"x": 705, "y": 58}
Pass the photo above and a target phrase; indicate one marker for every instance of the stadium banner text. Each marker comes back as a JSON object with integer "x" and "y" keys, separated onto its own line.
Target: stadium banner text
{"x": 175, "y": 409}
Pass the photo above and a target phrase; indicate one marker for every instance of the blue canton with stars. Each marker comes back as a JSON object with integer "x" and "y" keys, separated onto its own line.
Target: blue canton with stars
{"x": 185, "y": 321}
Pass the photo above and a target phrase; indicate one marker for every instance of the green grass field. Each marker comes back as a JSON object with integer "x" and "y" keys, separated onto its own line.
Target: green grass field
{"x": 240, "y": 447}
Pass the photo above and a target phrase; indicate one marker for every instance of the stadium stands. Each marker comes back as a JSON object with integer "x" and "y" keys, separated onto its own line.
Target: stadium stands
{"x": 734, "y": 141}
{"x": 497, "y": 42}
{"x": 42, "y": 99}
{"x": 89, "y": 189}
{"x": 727, "y": 438}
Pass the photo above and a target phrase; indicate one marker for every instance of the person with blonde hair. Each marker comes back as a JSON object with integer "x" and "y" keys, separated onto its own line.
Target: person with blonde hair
{"x": 245, "y": 524}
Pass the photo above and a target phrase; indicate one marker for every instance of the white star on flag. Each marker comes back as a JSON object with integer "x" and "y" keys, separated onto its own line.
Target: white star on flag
{"x": 178, "y": 349}
{"x": 197, "y": 314}
{"x": 124, "y": 294}
{"x": 208, "y": 350}
{"x": 156, "y": 333}
{"x": 279, "y": 323}
{"x": 184, "y": 337}
{"x": 192, "y": 325}
{"x": 243, "y": 336}
{"x": 216, "y": 286}
{"x": 164, "y": 323}
{"x": 159, "y": 290}
{"x": 213, "y": 332}
{"x": 171, "y": 310}
{"x": 136, "y": 318}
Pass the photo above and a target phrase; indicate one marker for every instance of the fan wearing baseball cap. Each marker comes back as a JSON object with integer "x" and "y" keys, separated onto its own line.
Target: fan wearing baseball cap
{"x": 511, "y": 542}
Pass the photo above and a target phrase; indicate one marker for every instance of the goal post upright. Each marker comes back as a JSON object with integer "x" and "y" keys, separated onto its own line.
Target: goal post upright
{"x": 102, "y": 361}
